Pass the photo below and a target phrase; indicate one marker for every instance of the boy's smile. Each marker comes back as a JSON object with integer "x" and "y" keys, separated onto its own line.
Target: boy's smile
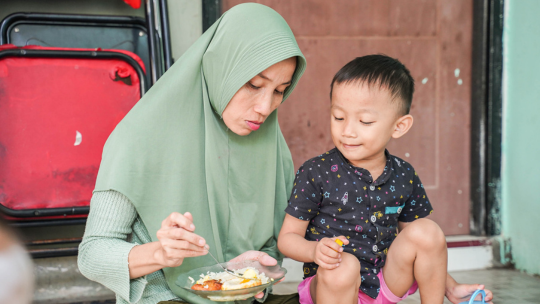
{"x": 363, "y": 120}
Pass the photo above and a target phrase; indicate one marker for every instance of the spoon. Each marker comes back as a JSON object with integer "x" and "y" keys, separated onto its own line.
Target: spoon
{"x": 224, "y": 269}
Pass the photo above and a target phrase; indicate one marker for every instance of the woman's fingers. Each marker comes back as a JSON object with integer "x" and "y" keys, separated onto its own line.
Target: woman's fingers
{"x": 182, "y": 234}
{"x": 177, "y": 239}
{"x": 182, "y": 245}
{"x": 179, "y": 220}
{"x": 267, "y": 260}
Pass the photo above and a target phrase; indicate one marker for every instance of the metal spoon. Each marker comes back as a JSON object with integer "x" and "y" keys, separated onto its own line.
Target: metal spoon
{"x": 225, "y": 269}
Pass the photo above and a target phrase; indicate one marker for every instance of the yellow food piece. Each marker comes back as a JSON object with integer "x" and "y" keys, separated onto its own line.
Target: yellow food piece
{"x": 250, "y": 274}
{"x": 340, "y": 243}
{"x": 230, "y": 285}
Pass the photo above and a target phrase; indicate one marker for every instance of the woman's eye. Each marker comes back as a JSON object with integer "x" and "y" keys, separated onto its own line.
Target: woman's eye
{"x": 253, "y": 86}
{"x": 366, "y": 122}
{"x": 279, "y": 92}
{"x": 338, "y": 118}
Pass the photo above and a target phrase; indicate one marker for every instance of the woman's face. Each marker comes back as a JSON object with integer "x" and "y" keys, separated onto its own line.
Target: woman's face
{"x": 258, "y": 98}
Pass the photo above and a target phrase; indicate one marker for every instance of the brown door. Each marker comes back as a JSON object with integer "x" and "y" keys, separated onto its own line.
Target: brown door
{"x": 434, "y": 40}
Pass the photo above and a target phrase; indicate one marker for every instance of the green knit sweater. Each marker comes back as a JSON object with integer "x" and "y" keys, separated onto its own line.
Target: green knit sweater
{"x": 112, "y": 229}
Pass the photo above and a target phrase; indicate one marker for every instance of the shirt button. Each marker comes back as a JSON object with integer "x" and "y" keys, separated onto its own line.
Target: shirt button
{"x": 373, "y": 218}
{"x": 399, "y": 210}
{"x": 371, "y": 188}
{"x": 375, "y": 248}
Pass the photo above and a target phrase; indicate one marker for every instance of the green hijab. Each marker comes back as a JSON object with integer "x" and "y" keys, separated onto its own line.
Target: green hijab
{"x": 173, "y": 153}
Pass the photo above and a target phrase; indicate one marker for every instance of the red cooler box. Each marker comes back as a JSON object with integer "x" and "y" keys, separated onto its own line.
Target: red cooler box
{"x": 57, "y": 109}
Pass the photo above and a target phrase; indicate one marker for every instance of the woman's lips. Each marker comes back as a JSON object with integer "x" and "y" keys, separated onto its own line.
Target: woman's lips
{"x": 253, "y": 125}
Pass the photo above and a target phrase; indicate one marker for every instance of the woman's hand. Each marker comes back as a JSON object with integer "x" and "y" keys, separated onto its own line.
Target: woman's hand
{"x": 260, "y": 256}
{"x": 327, "y": 253}
{"x": 177, "y": 240}
{"x": 462, "y": 292}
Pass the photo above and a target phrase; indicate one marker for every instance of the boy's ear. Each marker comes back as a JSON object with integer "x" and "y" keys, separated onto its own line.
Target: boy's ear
{"x": 403, "y": 125}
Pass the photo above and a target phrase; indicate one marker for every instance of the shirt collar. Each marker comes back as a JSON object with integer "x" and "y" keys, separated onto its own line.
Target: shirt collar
{"x": 364, "y": 174}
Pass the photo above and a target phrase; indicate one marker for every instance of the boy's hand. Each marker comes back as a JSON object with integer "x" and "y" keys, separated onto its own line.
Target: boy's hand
{"x": 328, "y": 253}
{"x": 462, "y": 292}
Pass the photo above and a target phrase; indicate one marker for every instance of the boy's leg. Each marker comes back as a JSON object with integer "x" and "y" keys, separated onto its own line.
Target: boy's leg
{"x": 418, "y": 253}
{"x": 339, "y": 285}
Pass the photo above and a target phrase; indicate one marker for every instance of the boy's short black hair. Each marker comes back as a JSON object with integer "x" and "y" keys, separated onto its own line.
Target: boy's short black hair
{"x": 382, "y": 70}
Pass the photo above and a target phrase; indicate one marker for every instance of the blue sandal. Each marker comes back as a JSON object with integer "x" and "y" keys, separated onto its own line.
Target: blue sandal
{"x": 472, "y": 301}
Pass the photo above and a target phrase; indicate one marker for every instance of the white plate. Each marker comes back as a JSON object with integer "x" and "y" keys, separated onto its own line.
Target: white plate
{"x": 272, "y": 272}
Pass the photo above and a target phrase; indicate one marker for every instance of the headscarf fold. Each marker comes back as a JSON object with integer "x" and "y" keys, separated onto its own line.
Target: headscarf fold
{"x": 173, "y": 153}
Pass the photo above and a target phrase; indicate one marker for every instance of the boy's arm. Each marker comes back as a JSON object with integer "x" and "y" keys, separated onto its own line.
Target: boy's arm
{"x": 291, "y": 242}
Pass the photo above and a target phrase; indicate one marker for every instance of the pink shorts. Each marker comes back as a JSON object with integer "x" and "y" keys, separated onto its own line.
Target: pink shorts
{"x": 385, "y": 295}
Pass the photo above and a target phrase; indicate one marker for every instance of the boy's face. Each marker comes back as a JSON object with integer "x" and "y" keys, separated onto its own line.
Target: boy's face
{"x": 363, "y": 119}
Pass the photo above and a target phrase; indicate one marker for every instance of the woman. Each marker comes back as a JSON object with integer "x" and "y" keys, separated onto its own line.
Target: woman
{"x": 202, "y": 148}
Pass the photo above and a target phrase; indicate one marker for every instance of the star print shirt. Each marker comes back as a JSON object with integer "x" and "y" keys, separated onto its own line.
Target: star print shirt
{"x": 340, "y": 199}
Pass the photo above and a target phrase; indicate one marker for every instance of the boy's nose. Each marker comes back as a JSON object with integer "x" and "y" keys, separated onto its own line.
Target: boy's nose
{"x": 348, "y": 131}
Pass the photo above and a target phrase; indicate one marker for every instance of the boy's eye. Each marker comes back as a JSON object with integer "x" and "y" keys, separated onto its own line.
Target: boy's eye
{"x": 338, "y": 118}
{"x": 367, "y": 122}
{"x": 279, "y": 92}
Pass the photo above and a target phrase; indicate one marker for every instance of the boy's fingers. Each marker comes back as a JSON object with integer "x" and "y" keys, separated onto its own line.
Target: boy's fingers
{"x": 332, "y": 244}
{"x": 328, "y": 266}
{"x": 330, "y": 252}
{"x": 329, "y": 260}
{"x": 343, "y": 239}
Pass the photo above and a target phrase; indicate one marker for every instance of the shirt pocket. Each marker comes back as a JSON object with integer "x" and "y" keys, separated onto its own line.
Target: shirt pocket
{"x": 393, "y": 214}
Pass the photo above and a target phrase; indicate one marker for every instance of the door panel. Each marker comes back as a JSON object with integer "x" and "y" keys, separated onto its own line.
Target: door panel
{"x": 434, "y": 40}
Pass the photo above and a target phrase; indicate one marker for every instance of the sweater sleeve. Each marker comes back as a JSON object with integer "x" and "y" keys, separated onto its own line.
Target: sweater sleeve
{"x": 104, "y": 250}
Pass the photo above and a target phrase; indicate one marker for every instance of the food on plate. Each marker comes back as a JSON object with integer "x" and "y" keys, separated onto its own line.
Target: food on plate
{"x": 250, "y": 277}
{"x": 208, "y": 285}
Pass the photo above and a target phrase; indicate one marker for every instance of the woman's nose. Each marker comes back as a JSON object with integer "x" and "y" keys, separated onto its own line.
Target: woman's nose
{"x": 263, "y": 106}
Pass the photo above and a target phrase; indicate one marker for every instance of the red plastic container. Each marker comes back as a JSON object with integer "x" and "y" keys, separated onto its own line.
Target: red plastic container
{"x": 57, "y": 109}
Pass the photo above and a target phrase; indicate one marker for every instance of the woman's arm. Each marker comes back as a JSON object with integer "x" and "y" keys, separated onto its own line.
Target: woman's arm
{"x": 176, "y": 242}
{"x": 105, "y": 251}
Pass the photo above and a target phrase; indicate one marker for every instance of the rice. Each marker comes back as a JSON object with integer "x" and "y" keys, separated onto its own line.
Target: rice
{"x": 230, "y": 280}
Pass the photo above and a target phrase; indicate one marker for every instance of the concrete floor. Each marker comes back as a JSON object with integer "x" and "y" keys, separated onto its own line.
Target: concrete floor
{"x": 508, "y": 286}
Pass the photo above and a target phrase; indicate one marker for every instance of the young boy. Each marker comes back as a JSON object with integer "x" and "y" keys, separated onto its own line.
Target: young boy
{"x": 363, "y": 196}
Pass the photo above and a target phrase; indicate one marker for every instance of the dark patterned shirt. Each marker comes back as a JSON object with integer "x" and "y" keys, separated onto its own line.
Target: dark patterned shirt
{"x": 340, "y": 199}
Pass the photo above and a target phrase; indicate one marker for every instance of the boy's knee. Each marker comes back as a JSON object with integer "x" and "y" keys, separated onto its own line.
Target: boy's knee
{"x": 426, "y": 234}
{"x": 343, "y": 276}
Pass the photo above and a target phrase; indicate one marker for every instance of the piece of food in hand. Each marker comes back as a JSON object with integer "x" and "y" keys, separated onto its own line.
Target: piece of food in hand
{"x": 208, "y": 285}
